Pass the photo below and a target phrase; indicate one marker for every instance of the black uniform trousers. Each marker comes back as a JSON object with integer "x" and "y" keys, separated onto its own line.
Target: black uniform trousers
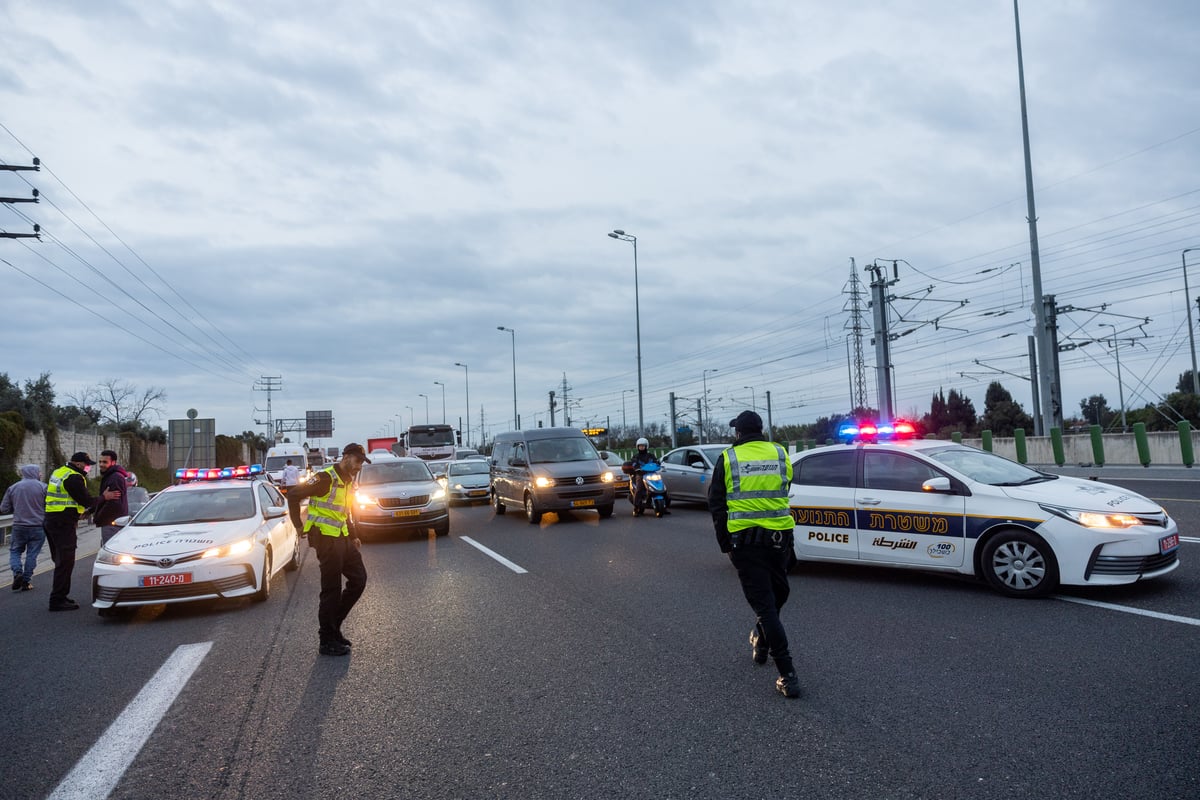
{"x": 61, "y": 535}
{"x": 762, "y": 570}
{"x": 338, "y": 557}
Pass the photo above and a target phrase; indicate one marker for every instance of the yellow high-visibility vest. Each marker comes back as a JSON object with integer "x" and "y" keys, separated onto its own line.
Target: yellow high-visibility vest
{"x": 757, "y": 477}
{"x": 329, "y": 511}
{"x": 57, "y": 498}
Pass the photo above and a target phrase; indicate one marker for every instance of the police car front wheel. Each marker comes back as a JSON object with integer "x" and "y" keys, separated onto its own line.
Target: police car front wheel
{"x": 1019, "y": 564}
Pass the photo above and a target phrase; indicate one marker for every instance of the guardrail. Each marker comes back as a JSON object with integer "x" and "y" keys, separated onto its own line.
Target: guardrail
{"x": 5, "y": 527}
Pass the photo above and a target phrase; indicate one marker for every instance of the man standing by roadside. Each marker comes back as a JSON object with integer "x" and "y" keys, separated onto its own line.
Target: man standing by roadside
{"x": 328, "y": 493}
{"x": 26, "y": 501}
{"x": 67, "y": 499}
{"x": 112, "y": 476}
{"x": 748, "y": 499}
{"x": 290, "y": 477}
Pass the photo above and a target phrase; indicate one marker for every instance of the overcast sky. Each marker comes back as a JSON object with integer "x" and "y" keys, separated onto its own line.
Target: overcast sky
{"x": 353, "y": 196}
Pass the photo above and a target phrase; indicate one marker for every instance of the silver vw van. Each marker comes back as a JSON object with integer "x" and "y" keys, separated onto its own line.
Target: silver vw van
{"x": 550, "y": 469}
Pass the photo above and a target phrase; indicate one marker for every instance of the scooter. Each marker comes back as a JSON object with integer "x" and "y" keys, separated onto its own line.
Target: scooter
{"x": 654, "y": 494}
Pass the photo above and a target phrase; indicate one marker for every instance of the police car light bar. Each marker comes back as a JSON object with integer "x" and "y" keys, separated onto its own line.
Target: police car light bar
{"x": 185, "y": 474}
{"x": 870, "y": 431}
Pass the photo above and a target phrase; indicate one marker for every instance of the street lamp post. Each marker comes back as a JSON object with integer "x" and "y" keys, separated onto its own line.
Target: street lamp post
{"x": 707, "y": 415}
{"x": 637, "y": 317}
{"x": 420, "y": 394}
{"x": 624, "y": 422}
{"x": 1191, "y": 336}
{"x": 439, "y": 383}
{"x": 1120, "y": 388}
{"x": 516, "y": 419}
{"x": 467, "y": 381}
{"x": 753, "y": 398}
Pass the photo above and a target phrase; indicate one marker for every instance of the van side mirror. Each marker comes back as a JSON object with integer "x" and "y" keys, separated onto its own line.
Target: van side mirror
{"x": 516, "y": 461}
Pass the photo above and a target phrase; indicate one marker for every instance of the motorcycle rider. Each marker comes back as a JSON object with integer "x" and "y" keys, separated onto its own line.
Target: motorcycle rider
{"x": 642, "y": 457}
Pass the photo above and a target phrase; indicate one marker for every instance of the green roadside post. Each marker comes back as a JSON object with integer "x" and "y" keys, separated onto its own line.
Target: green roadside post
{"x": 1185, "y": 442}
{"x": 986, "y": 436}
{"x": 1056, "y": 442}
{"x": 1019, "y": 440}
{"x": 956, "y": 437}
{"x": 1097, "y": 445}
{"x": 1143, "y": 443}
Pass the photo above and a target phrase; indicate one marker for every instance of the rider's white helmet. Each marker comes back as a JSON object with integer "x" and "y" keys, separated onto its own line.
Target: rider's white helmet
{"x": 643, "y": 442}
{"x": 131, "y": 479}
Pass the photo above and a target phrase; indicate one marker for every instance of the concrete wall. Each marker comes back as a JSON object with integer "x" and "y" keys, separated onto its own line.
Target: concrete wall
{"x": 1119, "y": 448}
{"x": 34, "y": 450}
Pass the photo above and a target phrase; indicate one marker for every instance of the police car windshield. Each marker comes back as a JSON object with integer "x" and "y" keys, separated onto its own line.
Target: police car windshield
{"x": 218, "y": 504}
{"x": 985, "y": 467}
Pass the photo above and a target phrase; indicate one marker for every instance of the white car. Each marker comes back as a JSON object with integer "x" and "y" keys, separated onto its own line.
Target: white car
{"x": 215, "y": 535}
{"x": 469, "y": 480}
{"x": 937, "y": 505}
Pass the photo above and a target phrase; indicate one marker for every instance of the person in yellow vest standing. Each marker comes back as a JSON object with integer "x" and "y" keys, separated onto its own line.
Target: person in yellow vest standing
{"x": 67, "y": 499}
{"x": 748, "y": 499}
{"x": 328, "y": 494}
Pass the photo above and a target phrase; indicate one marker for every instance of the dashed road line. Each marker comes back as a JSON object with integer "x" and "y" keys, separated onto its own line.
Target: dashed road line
{"x": 493, "y": 554}
{"x": 100, "y": 769}
{"x": 1131, "y": 610}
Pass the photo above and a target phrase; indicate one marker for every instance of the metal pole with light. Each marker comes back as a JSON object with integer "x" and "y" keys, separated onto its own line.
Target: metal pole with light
{"x": 637, "y": 316}
{"x": 439, "y": 383}
{"x": 516, "y": 419}
{"x": 753, "y": 398}
{"x": 624, "y": 422}
{"x": 1120, "y": 388}
{"x": 419, "y": 394}
{"x": 1191, "y": 336}
{"x": 467, "y": 381}
{"x": 707, "y": 416}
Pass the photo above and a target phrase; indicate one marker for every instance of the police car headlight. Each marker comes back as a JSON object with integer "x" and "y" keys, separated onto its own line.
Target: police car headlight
{"x": 109, "y": 557}
{"x": 1094, "y": 519}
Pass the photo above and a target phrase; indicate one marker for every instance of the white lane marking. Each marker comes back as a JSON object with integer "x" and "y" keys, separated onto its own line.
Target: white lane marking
{"x": 97, "y": 773}
{"x": 1131, "y": 610}
{"x": 493, "y": 554}
{"x": 1189, "y": 538}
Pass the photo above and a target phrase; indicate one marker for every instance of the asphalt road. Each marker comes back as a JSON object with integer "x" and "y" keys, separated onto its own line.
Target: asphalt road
{"x": 616, "y": 666}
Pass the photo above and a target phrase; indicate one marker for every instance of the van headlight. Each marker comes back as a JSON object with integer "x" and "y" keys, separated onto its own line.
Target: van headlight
{"x": 607, "y": 477}
{"x": 543, "y": 481}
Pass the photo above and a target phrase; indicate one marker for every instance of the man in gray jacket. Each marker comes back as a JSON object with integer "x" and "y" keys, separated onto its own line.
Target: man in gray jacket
{"x": 26, "y": 501}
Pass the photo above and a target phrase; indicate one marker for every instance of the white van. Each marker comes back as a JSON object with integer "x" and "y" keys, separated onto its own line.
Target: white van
{"x": 277, "y": 458}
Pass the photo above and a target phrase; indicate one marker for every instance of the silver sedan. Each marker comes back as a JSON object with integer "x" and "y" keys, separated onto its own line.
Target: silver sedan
{"x": 688, "y": 471}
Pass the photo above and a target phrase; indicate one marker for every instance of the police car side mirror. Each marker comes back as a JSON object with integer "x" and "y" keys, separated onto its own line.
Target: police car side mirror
{"x": 121, "y": 522}
{"x": 937, "y": 485}
{"x": 272, "y": 512}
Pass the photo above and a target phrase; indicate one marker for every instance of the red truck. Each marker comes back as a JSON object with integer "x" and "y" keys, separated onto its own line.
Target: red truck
{"x": 380, "y": 443}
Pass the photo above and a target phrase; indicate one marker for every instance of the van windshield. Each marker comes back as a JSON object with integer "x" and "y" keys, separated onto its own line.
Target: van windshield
{"x": 552, "y": 451}
{"x": 276, "y": 463}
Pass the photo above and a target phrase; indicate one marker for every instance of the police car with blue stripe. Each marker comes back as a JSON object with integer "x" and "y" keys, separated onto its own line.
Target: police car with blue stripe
{"x": 886, "y": 500}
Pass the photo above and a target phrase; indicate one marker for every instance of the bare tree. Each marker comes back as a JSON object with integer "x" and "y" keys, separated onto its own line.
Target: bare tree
{"x": 121, "y": 403}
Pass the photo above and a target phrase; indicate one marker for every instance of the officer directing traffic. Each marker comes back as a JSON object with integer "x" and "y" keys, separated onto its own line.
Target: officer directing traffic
{"x": 748, "y": 499}
{"x": 328, "y": 493}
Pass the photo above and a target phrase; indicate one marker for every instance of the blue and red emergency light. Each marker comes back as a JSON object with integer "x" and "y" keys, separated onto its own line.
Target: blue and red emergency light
{"x": 873, "y": 432}
{"x": 185, "y": 474}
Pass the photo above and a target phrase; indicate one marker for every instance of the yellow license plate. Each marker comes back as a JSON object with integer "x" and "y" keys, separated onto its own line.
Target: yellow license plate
{"x": 407, "y": 512}
{"x": 582, "y": 503}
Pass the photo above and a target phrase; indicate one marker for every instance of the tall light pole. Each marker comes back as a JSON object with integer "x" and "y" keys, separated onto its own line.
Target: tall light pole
{"x": 753, "y": 398}
{"x": 1191, "y": 337}
{"x": 707, "y": 416}
{"x": 439, "y": 383}
{"x": 637, "y": 317}
{"x": 516, "y": 419}
{"x": 624, "y": 423}
{"x": 467, "y": 380}
{"x": 1120, "y": 388}
{"x": 419, "y": 394}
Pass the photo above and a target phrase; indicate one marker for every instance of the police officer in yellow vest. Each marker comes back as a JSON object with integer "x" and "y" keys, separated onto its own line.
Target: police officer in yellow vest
{"x": 67, "y": 499}
{"x": 328, "y": 493}
{"x": 748, "y": 499}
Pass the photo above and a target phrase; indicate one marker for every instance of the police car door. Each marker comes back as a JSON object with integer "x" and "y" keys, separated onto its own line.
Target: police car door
{"x": 822, "y": 504}
{"x": 278, "y": 527}
{"x": 899, "y": 522}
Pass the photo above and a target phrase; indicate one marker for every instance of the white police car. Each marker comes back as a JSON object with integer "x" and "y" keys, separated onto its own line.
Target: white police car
{"x": 219, "y": 533}
{"x": 937, "y": 505}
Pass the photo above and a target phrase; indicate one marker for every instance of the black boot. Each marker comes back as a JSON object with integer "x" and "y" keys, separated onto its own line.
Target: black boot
{"x": 758, "y": 645}
{"x": 787, "y": 684}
